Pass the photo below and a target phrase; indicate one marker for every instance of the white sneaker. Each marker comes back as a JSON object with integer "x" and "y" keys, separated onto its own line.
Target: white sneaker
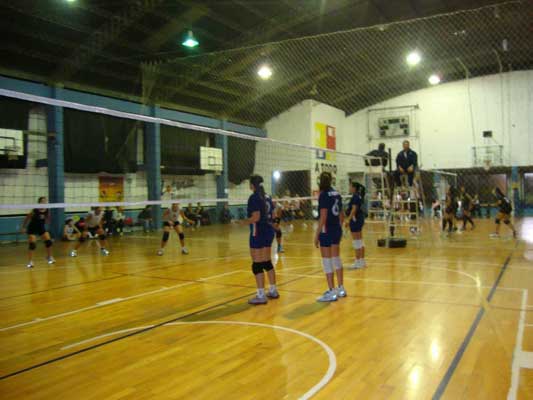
{"x": 258, "y": 300}
{"x": 494, "y": 235}
{"x": 73, "y": 253}
{"x": 356, "y": 265}
{"x": 341, "y": 292}
{"x": 362, "y": 262}
{"x": 104, "y": 252}
{"x": 160, "y": 252}
{"x": 29, "y": 265}
{"x": 328, "y": 296}
{"x": 51, "y": 260}
{"x": 184, "y": 250}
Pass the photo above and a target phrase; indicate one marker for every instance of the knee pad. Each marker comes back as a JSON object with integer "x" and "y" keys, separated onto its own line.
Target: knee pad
{"x": 166, "y": 235}
{"x": 32, "y": 245}
{"x": 257, "y": 268}
{"x": 182, "y": 236}
{"x": 337, "y": 263}
{"x": 327, "y": 265}
{"x": 497, "y": 221}
{"x": 82, "y": 239}
{"x": 357, "y": 244}
{"x": 278, "y": 234}
{"x": 48, "y": 243}
{"x": 267, "y": 265}
{"x": 102, "y": 237}
{"x": 507, "y": 222}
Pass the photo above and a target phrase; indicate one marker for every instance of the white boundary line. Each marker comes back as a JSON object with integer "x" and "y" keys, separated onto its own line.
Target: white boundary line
{"x": 331, "y": 355}
{"x": 476, "y": 280}
{"x": 400, "y": 282}
{"x": 103, "y": 303}
{"x": 332, "y": 360}
{"x": 518, "y": 359}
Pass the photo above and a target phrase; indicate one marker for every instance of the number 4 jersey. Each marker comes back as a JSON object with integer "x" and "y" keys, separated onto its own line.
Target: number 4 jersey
{"x": 332, "y": 201}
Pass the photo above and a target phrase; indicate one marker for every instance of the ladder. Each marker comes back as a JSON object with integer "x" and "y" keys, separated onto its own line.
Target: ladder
{"x": 405, "y": 211}
{"x": 378, "y": 195}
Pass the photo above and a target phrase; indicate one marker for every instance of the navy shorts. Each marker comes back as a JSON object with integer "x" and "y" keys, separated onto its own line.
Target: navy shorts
{"x": 166, "y": 223}
{"x": 331, "y": 237}
{"x": 261, "y": 236}
{"x": 357, "y": 225}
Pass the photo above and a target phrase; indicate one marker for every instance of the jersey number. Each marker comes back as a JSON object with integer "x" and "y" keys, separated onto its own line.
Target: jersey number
{"x": 335, "y": 209}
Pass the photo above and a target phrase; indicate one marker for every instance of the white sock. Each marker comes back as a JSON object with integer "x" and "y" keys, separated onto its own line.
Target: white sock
{"x": 260, "y": 292}
{"x": 272, "y": 288}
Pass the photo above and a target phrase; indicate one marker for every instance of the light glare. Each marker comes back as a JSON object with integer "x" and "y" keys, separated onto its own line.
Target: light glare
{"x": 190, "y": 40}
{"x": 434, "y": 79}
{"x": 413, "y": 58}
{"x": 264, "y": 72}
{"x": 276, "y": 175}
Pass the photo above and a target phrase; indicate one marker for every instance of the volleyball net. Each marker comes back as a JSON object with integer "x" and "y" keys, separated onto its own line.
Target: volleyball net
{"x": 109, "y": 158}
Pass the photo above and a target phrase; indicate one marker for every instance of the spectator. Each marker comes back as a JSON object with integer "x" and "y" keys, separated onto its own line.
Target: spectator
{"x": 146, "y": 219}
{"x": 203, "y": 214}
{"x": 109, "y": 220}
{"x": 225, "y": 216}
{"x": 81, "y": 224}
{"x": 380, "y": 153}
{"x": 406, "y": 163}
{"x": 168, "y": 194}
{"x": 119, "y": 218}
{"x": 191, "y": 214}
{"x": 70, "y": 232}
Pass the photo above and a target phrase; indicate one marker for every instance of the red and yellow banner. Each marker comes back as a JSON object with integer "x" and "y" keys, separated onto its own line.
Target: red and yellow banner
{"x": 111, "y": 188}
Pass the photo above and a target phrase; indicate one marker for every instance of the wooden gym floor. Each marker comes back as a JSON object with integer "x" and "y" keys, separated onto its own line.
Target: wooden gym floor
{"x": 441, "y": 318}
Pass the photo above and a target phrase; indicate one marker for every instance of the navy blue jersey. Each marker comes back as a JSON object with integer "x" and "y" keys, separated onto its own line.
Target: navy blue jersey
{"x": 504, "y": 205}
{"x": 270, "y": 209}
{"x": 255, "y": 203}
{"x": 331, "y": 200}
{"x": 356, "y": 201}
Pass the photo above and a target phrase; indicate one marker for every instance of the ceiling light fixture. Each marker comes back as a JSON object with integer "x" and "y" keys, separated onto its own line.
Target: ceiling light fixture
{"x": 413, "y": 58}
{"x": 264, "y": 72}
{"x": 190, "y": 41}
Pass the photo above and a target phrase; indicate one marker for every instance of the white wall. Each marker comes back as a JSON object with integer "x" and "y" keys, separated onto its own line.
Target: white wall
{"x": 501, "y": 103}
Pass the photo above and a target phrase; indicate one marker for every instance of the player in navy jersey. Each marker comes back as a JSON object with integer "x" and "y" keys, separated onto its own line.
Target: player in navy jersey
{"x": 328, "y": 236}
{"x": 504, "y": 212}
{"x": 276, "y": 224}
{"x": 356, "y": 221}
{"x": 36, "y": 222}
{"x": 260, "y": 208}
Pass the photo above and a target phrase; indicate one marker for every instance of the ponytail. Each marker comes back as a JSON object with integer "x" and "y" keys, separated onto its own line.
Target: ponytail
{"x": 257, "y": 182}
{"x": 360, "y": 189}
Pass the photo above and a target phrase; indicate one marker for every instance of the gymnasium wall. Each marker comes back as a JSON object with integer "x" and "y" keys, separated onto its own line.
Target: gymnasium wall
{"x": 447, "y": 122}
{"x": 452, "y": 116}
